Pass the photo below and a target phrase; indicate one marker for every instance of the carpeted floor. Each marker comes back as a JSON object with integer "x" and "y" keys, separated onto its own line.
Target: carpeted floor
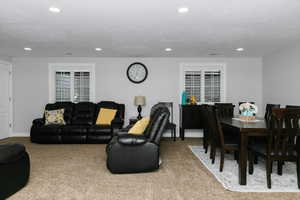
{"x": 79, "y": 172}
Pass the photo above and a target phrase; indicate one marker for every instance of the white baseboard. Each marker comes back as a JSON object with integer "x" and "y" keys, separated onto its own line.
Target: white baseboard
{"x": 19, "y": 134}
{"x": 188, "y": 134}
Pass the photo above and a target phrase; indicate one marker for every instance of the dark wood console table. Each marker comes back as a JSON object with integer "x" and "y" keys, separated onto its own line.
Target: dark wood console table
{"x": 190, "y": 118}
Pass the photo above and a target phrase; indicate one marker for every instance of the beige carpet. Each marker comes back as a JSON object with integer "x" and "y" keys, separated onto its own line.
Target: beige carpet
{"x": 79, "y": 172}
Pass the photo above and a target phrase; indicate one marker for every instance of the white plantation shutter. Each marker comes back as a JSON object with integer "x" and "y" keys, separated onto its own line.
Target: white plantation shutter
{"x": 212, "y": 84}
{"x": 62, "y": 86}
{"x": 81, "y": 86}
{"x": 72, "y": 86}
{"x": 193, "y": 84}
{"x": 204, "y": 82}
{"x": 73, "y": 82}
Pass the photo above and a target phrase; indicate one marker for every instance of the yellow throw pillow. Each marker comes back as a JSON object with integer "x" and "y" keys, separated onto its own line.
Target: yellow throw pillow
{"x": 54, "y": 117}
{"x": 140, "y": 126}
{"x": 105, "y": 116}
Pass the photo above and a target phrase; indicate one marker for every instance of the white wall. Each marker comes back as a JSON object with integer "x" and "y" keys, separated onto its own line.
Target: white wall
{"x": 281, "y": 82}
{"x": 5, "y": 58}
{"x": 243, "y": 82}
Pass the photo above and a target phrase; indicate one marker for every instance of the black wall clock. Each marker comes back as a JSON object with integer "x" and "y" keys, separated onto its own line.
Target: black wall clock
{"x": 137, "y": 72}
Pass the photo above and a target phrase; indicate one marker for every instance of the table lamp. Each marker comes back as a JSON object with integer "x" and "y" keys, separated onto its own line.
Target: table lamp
{"x": 139, "y": 101}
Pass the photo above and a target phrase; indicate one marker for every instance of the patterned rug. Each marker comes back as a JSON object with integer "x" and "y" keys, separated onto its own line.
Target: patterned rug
{"x": 256, "y": 182}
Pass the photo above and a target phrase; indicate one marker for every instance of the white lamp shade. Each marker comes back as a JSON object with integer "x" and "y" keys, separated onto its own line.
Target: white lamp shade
{"x": 139, "y": 100}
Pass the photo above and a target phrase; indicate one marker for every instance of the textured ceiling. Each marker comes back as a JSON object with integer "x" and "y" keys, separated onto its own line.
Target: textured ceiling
{"x": 144, "y": 28}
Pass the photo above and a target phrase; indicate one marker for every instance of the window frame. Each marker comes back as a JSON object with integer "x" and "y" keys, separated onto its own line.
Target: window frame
{"x": 70, "y": 67}
{"x": 203, "y": 67}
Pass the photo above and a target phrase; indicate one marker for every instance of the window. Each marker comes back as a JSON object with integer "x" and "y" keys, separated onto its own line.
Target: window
{"x": 71, "y": 82}
{"x": 204, "y": 81}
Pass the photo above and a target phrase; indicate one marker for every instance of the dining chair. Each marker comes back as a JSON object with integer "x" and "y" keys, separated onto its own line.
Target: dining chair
{"x": 268, "y": 112}
{"x": 225, "y": 110}
{"x": 225, "y": 143}
{"x": 171, "y": 125}
{"x": 283, "y": 142}
{"x": 267, "y": 117}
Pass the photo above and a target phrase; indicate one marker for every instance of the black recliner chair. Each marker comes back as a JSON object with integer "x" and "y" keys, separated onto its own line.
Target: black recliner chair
{"x": 128, "y": 153}
{"x": 14, "y": 168}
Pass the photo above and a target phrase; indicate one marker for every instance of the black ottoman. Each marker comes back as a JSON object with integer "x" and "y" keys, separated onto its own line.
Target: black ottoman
{"x": 14, "y": 168}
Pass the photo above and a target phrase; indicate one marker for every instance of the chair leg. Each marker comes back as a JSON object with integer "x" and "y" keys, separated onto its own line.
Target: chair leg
{"x": 222, "y": 160}
{"x": 213, "y": 154}
{"x": 268, "y": 171}
{"x": 211, "y": 151}
{"x": 251, "y": 162}
{"x": 206, "y": 149}
{"x": 205, "y": 145}
{"x": 271, "y": 167}
{"x": 236, "y": 156}
{"x": 279, "y": 167}
{"x": 255, "y": 159}
{"x": 298, "y": 172}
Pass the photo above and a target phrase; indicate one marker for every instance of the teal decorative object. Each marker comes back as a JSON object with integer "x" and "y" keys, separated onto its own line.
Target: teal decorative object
{"x": 183, "y": 98}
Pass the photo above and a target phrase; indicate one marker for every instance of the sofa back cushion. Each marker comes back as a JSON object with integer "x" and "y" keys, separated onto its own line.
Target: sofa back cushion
{"x": 112, "y": 105}
{"x": 157, "y": 125}
{"x": 84, "y": 113}
{"x": 68, "y": 109}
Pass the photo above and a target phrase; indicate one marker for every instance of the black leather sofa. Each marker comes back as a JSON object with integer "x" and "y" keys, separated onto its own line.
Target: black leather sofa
{"x": 14, "y": 168}
{"x": 80, "y": 125}
{"x": 127, "y": 153}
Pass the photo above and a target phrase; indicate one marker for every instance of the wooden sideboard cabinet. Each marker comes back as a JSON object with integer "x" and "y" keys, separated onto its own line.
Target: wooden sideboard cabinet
{"x": 191, "y": 117}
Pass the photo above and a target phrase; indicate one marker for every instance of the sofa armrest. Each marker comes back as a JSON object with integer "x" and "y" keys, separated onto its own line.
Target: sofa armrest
{"x": 38, "y": 122}
{"x": 117, "y": 123}
{"x": 129, "y": 139}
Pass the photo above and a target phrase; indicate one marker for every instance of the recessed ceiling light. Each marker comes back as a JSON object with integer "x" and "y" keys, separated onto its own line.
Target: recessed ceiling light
{"x": 54, "y": 9}
{"x": 27, "y": 49}
{"x": 183, "y": 10}
{"x": 168, "y": 49}
{"x": 214, "y": 54}
{"x": 239, "y": 49}
{"x": 98, "y": 49}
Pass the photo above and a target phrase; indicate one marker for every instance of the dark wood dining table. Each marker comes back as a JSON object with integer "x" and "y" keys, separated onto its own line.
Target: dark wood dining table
{"x": 244, "y": 131}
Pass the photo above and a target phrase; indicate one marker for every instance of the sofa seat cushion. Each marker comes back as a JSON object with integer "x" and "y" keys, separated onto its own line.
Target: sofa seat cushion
{"x": 74, "y": 134}
{"x": 75, "y": 130}
{"x": 99, "y": 134}
{"x": 100, "y": 130}
{"x": 53, "y": 129}
{"x": 11, "y": 152}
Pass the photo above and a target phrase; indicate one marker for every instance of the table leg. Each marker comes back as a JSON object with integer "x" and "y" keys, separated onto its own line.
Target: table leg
{"x": 174, "y": 138}
{"x": 243, "y": 159}
{"x": 182, "y": 133}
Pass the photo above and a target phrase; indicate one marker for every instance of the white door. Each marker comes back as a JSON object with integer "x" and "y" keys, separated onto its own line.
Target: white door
{"x": 5, "y": 127}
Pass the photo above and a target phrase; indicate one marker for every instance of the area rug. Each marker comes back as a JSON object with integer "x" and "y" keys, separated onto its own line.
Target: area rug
{"x": 257, "y": 182}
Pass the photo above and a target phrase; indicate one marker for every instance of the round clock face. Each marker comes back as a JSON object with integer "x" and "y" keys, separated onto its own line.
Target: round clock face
{"x": 137, "y": 72}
